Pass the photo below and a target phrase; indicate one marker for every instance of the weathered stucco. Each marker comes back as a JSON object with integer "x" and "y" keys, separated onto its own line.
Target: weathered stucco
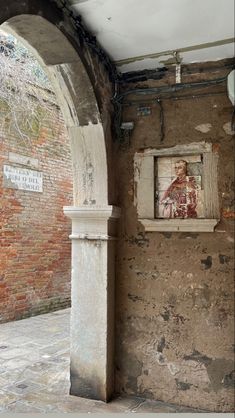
{"x": 174, "y": 291}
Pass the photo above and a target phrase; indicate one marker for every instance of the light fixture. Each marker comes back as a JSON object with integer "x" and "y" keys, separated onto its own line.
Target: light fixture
{"x": 231, "y": 95}
{"x": 127, "y": 126}
{"x": 231, "y": 86}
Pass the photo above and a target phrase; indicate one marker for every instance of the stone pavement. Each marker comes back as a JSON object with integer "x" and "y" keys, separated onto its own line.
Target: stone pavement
{"x": 34, "y": 371}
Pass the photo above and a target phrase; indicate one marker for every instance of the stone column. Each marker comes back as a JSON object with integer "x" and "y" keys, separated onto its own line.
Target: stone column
{"x": 92, "y": 316}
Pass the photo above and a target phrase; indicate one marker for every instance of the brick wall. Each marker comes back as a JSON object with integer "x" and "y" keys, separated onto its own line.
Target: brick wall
{"x": 34, "y": 243}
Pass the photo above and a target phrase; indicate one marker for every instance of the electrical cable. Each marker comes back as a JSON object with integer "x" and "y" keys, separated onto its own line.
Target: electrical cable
{"x": 233, "y": 120}
{"x": 183, "y": 97}
{"x": 170, "y": 89}
{"x": 89, "y": 40}
{"x": 159, "y": 102}
{"x": 119, "y": 103}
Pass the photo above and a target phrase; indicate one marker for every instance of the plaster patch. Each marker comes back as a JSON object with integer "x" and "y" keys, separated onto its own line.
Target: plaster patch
{"x": 194, "y": 371}
{"x": 68, "y": 73}
{"x": 204, "y": 127}
{"x": 228, "y": 128}
{"x": 183, "y": 385}
{"x": 220, "y": 372}
{"x": 173, "y": 368}
{"x": 189, "y": 275}
{"x": 206, "y": 263}
{"x": 161, "y": 359}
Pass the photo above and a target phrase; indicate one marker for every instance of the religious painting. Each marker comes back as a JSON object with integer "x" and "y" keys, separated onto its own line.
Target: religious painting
{"x": 179, "y": 188}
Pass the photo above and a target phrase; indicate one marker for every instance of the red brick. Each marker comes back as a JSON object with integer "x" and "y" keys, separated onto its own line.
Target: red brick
{"x": 34, "y": 243}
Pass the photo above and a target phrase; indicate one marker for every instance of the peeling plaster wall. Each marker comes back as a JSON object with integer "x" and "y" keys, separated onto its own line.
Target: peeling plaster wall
{"x": 174, "y": 291}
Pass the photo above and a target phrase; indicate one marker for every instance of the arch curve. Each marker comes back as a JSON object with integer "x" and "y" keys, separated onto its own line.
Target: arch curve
{"x": 76, "y": 97}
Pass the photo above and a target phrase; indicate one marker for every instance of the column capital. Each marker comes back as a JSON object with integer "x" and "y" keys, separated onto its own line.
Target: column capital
{"x": 92, "y": 212}
{"x": 93, "y": 222}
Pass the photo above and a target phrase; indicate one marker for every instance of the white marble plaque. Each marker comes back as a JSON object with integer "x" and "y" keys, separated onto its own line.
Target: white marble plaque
{"x": 22, "y": 179}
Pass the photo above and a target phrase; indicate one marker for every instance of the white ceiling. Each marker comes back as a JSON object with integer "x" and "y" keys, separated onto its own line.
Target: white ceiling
{"x": 133, "y": 28}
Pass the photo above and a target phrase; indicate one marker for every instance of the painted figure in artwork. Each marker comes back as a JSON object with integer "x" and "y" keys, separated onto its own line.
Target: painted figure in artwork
{"x": 180, "y": 199}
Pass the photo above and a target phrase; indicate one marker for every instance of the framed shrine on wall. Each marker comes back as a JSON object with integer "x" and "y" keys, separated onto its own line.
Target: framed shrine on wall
{"x": 179, "y": 191}
{"x": 176, "y": 188}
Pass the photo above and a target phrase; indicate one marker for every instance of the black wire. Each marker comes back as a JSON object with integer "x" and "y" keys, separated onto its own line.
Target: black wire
{"x": 171, "y": 89}
{"x": 118, "y": 110}
{"x": 158, "y": 74}
{"x": 183, "y": 97}
{"x": 233, "y": 120}
{"x": 162, "y": 128}
{"x": 90, "y": 41}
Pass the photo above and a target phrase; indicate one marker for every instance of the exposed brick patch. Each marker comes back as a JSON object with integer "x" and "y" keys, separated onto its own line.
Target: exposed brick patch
{"x": 34, "y": 245}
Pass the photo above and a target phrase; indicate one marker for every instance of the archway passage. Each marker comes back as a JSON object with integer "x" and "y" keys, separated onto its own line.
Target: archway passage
{"x": 35, "y": 184}
{"x": 36, "y": 25}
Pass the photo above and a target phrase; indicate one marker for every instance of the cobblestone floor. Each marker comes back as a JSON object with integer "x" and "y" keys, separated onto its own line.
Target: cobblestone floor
{"x": 34, "y": 371}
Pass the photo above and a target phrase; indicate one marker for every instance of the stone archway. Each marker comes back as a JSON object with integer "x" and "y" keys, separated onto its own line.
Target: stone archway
{"x": 93, "y": 220}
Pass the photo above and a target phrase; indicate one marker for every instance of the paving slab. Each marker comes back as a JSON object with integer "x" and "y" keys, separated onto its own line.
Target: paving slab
{"x": 34, "y": 372}
{"x": 22, "y": 407}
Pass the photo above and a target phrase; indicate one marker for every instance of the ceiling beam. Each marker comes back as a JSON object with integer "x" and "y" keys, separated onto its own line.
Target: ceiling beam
{"x": 174, "y": 51}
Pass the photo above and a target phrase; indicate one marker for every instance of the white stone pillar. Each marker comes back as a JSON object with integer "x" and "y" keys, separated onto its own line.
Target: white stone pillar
{"x": 92, "y": 316}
